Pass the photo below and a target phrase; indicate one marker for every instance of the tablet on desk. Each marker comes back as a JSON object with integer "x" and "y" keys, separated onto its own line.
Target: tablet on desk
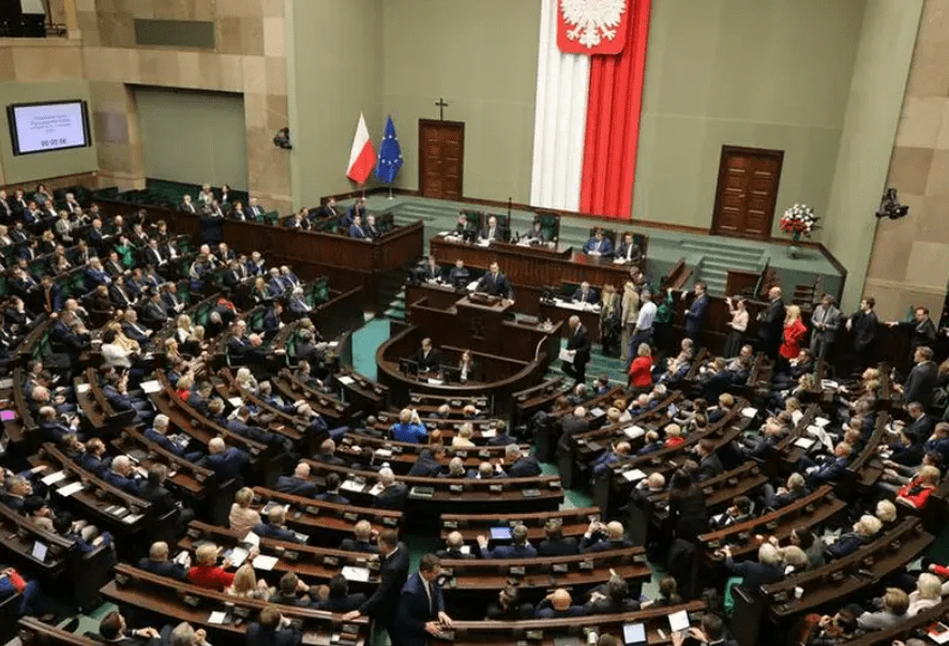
{"x": 634, "y": 634}
{"x": 501, "y": 533}
{"x": 679, "y": 621}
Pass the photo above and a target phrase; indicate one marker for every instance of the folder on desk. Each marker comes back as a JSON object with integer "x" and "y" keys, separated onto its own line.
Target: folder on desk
{"x": 353, "y": 573}
{"x": 149, "y": 387}
{"x": 633, "y": 475}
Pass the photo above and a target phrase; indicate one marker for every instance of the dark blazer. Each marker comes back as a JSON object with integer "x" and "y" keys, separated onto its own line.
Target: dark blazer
{"x": 353, "y": 545}
{"x": 828, "y": 471}
{"x": 920, "y": 428}
{"x": 755, "y": 574}
{"x": 525, "y": 466}
{"x": 695, "y": 317}
{"x": 624, "y": 250}
{"x": 771, "y": 325}
{"x": 709, "y": 466}
{"x": 921, "y": 382}
{"x": 431, "y": 362}
{"x": 276, "y": 532}
{"x": 578, "y": 341}
{"x": 257, "y": 635}
{"x": 580, "y": 297}
{"x": 393, "y": 497}
{"x": 342, "y": 605}
{"x": 383, "y": 605}
{"x": 164, "y": 568}
{"x": 416, "y": 610}
{"x": 496, "y": 286}
{"x": 426, "y": 466}
{"x": 602, "y": 544}
{"x": 510, "y": 552}
{"x": 162, "y": 502}
{"x": 227, "y": 464}
{"x": 295, "y": 486}
{"x": 562, "y": 547}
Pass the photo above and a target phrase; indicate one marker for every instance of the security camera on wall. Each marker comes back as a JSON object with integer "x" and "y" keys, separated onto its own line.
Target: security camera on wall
{"x": 890, "y": 207}
{"x": 282, "y": 139}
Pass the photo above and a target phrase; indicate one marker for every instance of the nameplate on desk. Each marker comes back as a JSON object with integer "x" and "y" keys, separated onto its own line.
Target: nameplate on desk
{"x": 390, "y": 522}
{"x": 84, "y": 388}
{"x": 456, "y": 488}
{"x": 495, "y": 488}
{"x": 517, "y": 570}
{"x": 422, "y": 492}
{"x": 351, "y": 517}
{"x": 435, "y": 382}
{"x": 530, "y": 493}
{"x": 313, "y": 511}
{"x": 560, "y": 568}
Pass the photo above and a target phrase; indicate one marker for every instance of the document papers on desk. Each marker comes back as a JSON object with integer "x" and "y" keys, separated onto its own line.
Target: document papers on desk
{"x": 149, "y": 387}
{"x": 823, "y": 436}
{"x": 346, "y": 380}
{"x": 749, "y": 412}
{"x": 53, "y": 478}
{"x": 634, "y": 475}
{"x": 353, "y": 573}
{"x": 633, "y": 432}
{"x": 237, "y": 555}
{"x": 679, "y": 621}
{"x": 352, "y": 485}
{"x": 217, "y": 617}
{"x": 804, "y": 442}
{"x": 263, "y": 562}
{"x": 70, "y": 489}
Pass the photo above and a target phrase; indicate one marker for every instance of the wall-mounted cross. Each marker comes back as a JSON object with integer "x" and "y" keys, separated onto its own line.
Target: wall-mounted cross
{"x": 441, "y": 108}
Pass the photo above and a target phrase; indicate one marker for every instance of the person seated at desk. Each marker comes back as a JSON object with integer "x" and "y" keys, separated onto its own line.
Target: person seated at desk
{"x": 462, "y": 226}
{"x": 519, "y": 464}
{"x": 558, "y": 604}
{"x": 466, "y": 368}
{"x": 628, "y": 250}
{"x": 275, "y": 526}
{"x": 494, "y": 283}
{"x": 356, "y": 229}
{"x": 459, "y": 276}
{"x": 454, "y": 548}
{"x": 600, "y": 537}
{"x": 536, "y": 235}
{"x": 463, "y": 440}
{"x": 584, "y": 294}
{"x": 226, "y": 462}
{"x": 299, "y": 483}
{"x": 598, "y": 245}
{"x": 428, "y": 358}
{"x": 331, "y": 494}
{"x": 456, "y": 469}
{"x": 431, "y": 270}
{"x": 394, "y": 494}
{"x": 520, "y": 549}
{"x": 338, "y": 599}
{"x": 272, "y": 629}
{"x": 291, "y": 591}
{"x": 361, "y": 540}
{"x": 554, "y": 543}
{"x": 508, "y": 607}
{"x": 492, "y": 231}
{"x": 864, "y": 531}
{"x": 157, "y": 563}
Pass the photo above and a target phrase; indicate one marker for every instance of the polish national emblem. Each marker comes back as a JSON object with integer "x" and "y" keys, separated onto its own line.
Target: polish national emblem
{"x": 591, "y": 26}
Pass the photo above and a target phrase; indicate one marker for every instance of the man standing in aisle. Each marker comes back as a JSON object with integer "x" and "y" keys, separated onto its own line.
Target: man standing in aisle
{"x": 383, "y": 606}
{"x": 422, "y": 613}
{"x": 579, "y": 345}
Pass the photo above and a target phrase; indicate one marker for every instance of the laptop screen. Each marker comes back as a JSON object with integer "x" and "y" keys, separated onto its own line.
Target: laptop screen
{"x": 501, "y": 533}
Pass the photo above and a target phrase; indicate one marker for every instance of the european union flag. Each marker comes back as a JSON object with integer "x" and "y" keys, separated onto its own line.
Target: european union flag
{"x": 390, "y": 155}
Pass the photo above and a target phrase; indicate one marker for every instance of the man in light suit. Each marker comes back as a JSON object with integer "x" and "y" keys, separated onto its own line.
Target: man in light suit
{"x": 383, "y": 606}
{"x": 422, "y": 613}
{"x": 825, "y": 322}
{"x": 492, "y": 231}
{"x": 580, "y": 345}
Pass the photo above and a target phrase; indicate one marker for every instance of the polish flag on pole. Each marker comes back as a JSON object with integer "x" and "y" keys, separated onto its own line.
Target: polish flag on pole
{"x": 362, "y": 157}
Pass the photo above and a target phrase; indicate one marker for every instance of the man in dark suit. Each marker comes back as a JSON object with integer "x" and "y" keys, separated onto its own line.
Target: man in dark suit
{"x": 157, "y": 563}
{"x": 492, "y": 231}
{"x": 427, "y": 465}
{"x": 584, "y": 294}
{"x": 422, "y": 613}
{"x": 696, "y": 314}
{"x": 271, "y": 630}
{"x": 600, "y": 537}
{"x": 920, "y": 425}
{"x": 863, "y": 324}
{"x": 339, "y": 600}
{"x": 332, "y": 494}
{"x": 628, "y": 250}
{"x": 427, "y": 357}
{"x": 519, "y": 549}
{"x": 922, "y": 379}
{"x": 922, "y": 330}
{"x": 831, "y": 469}
{"x": 577, "y": 343}
{"x": 226, "y": 462}
{"x": 275, "y": 526}
{"x": 328, "y": 210}
{"x": 771, "y": 324}
{"x": 393, "y": 494}
{"x": 554, "y": 543}
{"x": 520, "y": 465}
{"x": 361, "y": 540}
{"x": 709, "y": 463}
{"x": 358, "y": 208}
{"x": 298, "y": 484}
{"x": 598, "y": 245}
{"x": 154, "y": 491}
{"x": 494, "y": 283}
{"x": 454, "y": 548}
{"x": 383, "y": 606}
{"x": 114, "y": 630}
{"x": 431, "y": 270}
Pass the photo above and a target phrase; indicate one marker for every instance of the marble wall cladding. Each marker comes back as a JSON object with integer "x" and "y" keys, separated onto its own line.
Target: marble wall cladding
{"x": 249, "y": 57}
{"x": 909, "y": 265}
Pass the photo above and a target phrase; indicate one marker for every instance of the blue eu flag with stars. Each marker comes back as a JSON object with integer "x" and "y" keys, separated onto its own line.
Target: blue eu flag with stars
{"x": 390, "y": 155}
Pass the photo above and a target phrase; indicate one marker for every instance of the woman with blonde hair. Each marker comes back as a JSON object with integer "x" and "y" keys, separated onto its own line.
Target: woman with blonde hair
{"x": 463, "y": 439}
{"x": 242, "y": 517}
{"x": 927, "y": 594}
{"x": 246, "y": 380}
{"x": 794, "y": 333}
{"x": 183, "y": 328}
{"x": 247, "y": 586}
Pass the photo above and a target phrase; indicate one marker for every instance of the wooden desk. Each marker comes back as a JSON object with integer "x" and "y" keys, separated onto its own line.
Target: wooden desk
{"x": 470, "y": 526}
{"x": 325, "y": 519}
{"x": 532, "y": 266}
{"x": 36, "y": 632}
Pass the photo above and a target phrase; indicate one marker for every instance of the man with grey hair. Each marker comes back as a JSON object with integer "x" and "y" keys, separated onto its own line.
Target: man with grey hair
{"x": 519, "y": 465}
{"x": 178, "y": 445}
{"x": 122, "y": 475}
{"x": 393, "y": 494}
{"x": 185, "y": 635}
{"x": 520, "y": 549}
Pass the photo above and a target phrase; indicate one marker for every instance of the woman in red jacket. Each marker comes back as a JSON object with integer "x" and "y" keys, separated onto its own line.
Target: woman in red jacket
{"x": 794, "y": 332}
{"x": 916, "y": 492}
{"x": 640, "y": 370}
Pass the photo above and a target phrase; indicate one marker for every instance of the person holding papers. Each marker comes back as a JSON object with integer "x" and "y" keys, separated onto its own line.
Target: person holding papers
{"x": 577, "y": 353}
{"x": 206, "y": 573}
{"x": 598, "y": 245}
{"x": 157, "y": 563}
{"x": 421, "y": 605}
{"x": 584, "y": 294}
{"x": 409, "y": 428}
{"x": 601, "y": 538}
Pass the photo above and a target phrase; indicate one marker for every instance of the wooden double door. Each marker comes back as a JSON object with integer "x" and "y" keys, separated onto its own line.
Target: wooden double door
{"x": 748, "y": 180}
{"x": 441, "y": 147}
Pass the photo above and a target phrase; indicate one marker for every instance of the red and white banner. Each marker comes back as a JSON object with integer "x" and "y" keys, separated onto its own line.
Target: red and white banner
{"x": 588, "y": 104}
{"x": 362, "y": 156}
{"x": 592, "y": 26}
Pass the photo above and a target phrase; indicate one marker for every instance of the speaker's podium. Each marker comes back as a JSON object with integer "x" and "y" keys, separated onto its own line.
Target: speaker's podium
{"x": 485, "y": 317}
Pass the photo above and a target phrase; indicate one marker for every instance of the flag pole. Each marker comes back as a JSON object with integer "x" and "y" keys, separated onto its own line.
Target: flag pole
{"x": 390, "y": 192}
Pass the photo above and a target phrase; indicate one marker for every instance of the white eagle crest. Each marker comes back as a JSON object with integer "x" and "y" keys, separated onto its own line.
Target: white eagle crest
{"x": 592, "y": 20}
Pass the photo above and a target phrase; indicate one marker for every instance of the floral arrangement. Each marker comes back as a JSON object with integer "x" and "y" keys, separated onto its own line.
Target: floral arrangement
{"x": 798, "y": 220}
